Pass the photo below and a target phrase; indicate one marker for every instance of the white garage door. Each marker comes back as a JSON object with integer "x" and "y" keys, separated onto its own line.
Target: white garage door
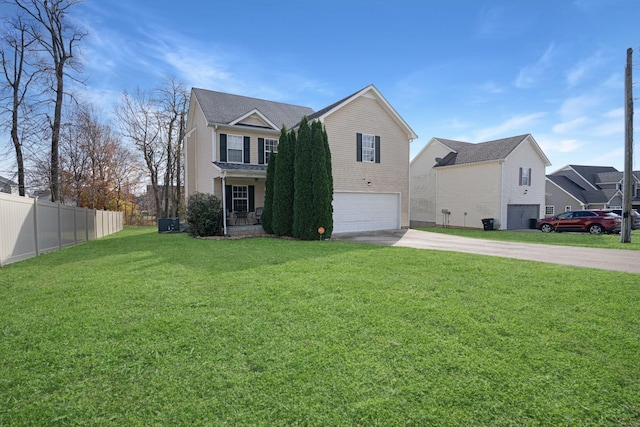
{"x": 365, "y": 212}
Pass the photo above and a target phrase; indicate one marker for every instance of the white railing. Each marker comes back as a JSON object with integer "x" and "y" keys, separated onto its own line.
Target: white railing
{"x": 30, "y": 227}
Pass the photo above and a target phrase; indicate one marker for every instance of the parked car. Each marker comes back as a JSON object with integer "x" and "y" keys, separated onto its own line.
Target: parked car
{"x": 635, "y": 224}
{"x": 594, "y": 222}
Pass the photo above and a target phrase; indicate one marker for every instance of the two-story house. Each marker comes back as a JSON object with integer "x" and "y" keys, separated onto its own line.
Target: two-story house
{"x": 578, "y": 187}
{"x": 229, "y": 139}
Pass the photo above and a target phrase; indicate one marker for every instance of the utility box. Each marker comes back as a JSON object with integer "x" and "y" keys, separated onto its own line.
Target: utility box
{"x": 168, "y": 225}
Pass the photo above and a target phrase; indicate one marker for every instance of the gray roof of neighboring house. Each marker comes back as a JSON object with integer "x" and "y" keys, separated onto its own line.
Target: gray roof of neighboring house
{"x": 590, "y": 172}
{"x": 6, "y": 181}
{"x": 608, "y": 177}
{"x": 566, "y": 179}
{"x": 224, "y": 108}
{"x": 466, "y": 152}
{"x": 569, "y": 186}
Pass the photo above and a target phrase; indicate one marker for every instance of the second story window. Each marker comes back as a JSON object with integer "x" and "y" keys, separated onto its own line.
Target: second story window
{"x": 525, "y": 176}
{"x": 270, "y": 145}
{"x": 368, "y": 148}
{"x": 235, "y": 144}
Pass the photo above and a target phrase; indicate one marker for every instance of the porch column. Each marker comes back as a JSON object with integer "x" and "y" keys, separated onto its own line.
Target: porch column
{"x": 224, "y": 203}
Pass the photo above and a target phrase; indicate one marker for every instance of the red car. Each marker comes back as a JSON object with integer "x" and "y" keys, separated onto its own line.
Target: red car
{"x": 595, "y": 222}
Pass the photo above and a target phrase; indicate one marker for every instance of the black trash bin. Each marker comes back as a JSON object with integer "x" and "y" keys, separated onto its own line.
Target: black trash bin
{"x": 532, "y": 223}
{"x": 487, "y": 224}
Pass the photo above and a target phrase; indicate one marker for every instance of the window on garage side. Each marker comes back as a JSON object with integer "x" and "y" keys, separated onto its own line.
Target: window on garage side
{"x": 367, "y": 148}
{"x": 549, "y": 210}
{"x": 525, "y": 176}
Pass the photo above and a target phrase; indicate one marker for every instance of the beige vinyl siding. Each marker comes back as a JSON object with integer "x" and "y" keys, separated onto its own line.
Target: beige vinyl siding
{"x": 423, "y": 182}
{"x": 199, "y": 153}
{"x": 253, "y": 136}
{"x": 254, "y": 120}
{"x": 471, "y": 188}
{"x": 366, "y": 115}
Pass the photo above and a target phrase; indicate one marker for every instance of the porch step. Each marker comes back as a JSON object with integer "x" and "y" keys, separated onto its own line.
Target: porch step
{"x": 246, "y": 231}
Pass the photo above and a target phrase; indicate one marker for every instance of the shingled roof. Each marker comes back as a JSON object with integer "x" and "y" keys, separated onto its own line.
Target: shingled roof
{"x": 223, "y": 108}
{"x": 466, "y": 152}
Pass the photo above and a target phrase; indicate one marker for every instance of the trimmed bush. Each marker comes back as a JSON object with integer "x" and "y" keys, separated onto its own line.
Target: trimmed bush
{"x": 204, "y": 215}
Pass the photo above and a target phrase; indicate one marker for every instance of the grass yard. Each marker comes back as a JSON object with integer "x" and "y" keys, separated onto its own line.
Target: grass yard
{"x": 141, "y": 328}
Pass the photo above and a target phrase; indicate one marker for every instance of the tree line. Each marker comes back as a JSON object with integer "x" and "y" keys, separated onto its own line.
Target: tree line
{"x": 66, "y": 145}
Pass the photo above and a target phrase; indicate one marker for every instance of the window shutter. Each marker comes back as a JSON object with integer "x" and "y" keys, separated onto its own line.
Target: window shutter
{"x": 228, "y": 195}
{"x": 377, "y": 149}
{"x": 529, "y": 177}
{"x": 252, "y": 198}
{"x": 520, "y": 177}
{"x": 261, "y": 151}
{"x": 247, "y": 148}
{"x": 223, "y": 147}
{"x": 359, "y": 147}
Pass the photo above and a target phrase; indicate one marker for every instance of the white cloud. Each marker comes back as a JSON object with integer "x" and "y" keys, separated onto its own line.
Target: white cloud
{"x": 530, "y": 74}
{"x": 577, "y": 106}
{"x": 513, "y": 126}
{"x": 553, "y": 144}
{"x": 491, "y": 87}
{"x": 571, "y": 125}
{"x": 617, "y": 113}
{"x": 578, "y": 72}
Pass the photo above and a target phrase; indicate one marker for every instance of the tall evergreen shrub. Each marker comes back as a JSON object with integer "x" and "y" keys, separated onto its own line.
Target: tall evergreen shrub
{"x": 267, "y": 213}
{"x": 303, "y": 227}
{"x": 283, "y": 189}
{"x": 322, "y": 182}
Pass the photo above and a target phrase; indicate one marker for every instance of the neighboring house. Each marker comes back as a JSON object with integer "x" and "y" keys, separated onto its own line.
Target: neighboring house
{"x": 8, "y": 186}
{"x": 229, "y": 138}
{"x": 458, "y": 184}
{"x": 576, "y": 187}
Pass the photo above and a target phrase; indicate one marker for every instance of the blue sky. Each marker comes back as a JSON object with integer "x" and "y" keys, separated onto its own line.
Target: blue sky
{"x": 469, "y": 70}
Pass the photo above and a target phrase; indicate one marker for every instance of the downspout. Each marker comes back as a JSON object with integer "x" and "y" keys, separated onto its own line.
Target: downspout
{"x": 224, "y": 203}
{"x": 501, "y": 194}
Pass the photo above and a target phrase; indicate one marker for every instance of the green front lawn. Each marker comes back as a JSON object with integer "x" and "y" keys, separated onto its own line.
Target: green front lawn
{"x": 141, "y": 328}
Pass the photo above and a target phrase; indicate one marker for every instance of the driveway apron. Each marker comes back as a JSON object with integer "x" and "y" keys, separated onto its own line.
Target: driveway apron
{"x": 627, "y": 261}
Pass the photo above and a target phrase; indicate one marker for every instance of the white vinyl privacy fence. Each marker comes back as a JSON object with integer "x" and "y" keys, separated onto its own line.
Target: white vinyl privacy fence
{"x": 30, "y": 227}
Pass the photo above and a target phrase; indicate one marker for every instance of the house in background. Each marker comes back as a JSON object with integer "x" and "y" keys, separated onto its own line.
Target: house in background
{"x": 458, "y": 184}
{"x": 229, "y": 138}
{"x": 8, "y": 186}
{"x": 576, "y": 187}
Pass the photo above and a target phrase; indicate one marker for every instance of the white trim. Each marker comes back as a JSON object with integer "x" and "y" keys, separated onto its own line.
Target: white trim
{"x": 251, "y": 113}
{"x": 372, "y": 92}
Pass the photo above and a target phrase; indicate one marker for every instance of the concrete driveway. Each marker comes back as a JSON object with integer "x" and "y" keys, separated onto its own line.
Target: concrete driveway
{"x": 627, "y": 261}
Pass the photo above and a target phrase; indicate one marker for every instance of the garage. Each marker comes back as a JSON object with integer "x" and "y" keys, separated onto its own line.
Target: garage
{"x": 353, "y": 211}
{"x": 519, "y": 216}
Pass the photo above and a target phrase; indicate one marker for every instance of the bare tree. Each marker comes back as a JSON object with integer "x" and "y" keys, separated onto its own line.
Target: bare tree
{"x": 173, "y": 103}
{"x": 97, "y": 170}
{"x": 139, "y": 121}
{"x": 19, "y": 72}
{"x": 58, "y": 39}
